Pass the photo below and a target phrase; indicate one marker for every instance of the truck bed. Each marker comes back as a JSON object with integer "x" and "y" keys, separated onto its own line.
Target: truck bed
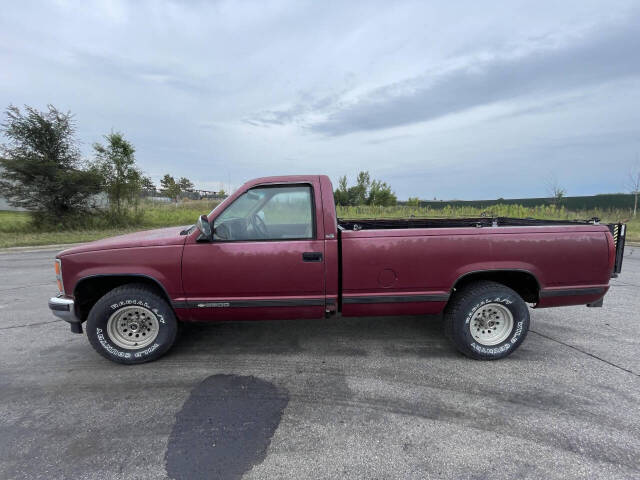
{"x": 412, "y": 264}
{"x": 618, "y": 230}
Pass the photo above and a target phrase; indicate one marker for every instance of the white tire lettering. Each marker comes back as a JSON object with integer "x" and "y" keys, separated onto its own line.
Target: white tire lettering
{"x": 515, "y": 337}
{"x": 146, "y": 351}
{"x": 502, "y": 348}
{"x": 108, "y": 347}
{"x": 491, "y": 351}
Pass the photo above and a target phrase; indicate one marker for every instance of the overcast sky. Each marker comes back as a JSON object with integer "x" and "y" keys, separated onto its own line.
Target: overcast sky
{"x": 445, "y": 99}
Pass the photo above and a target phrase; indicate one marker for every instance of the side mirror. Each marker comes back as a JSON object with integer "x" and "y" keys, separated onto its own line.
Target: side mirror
{"x": 205, "y": 227}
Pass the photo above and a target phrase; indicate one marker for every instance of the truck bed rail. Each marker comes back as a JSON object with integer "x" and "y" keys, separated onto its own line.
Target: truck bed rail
{"x": 479, "y": 222}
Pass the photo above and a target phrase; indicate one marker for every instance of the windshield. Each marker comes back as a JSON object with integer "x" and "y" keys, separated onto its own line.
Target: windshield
{"x": 215, "y": 208}
{"x": 244, "y": 204}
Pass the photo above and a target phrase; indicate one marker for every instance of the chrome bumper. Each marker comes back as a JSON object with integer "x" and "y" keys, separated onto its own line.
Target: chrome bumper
{"x": 63, "y": 308}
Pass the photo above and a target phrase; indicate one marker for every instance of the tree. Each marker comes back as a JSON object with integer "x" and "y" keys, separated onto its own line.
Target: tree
{"x": 341, "y": 195}
{"x": 365, "y": 192}
{"x": 634, "y": 186}
{"x": 413, "y": 202}
{"x": 380, "y": 194}
{"x": 185, "y": 184}
{"x": 555, "y": 191}
{"x": 147, "y": 184}
{"x": 42, "y": 167}
{"x": 358, "y": 193}
{"x": 121, "y": 180}
{"x": 170, "y": 188}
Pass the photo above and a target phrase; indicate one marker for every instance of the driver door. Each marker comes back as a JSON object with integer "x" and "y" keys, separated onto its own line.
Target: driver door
{"x": 266, "y": 260}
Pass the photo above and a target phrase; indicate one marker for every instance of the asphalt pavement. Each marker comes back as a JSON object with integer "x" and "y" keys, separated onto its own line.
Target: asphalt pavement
{"x": 340, "y": 398}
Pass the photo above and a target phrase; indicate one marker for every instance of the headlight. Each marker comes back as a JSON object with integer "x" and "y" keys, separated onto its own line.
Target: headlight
{"x": 58, "y": 269}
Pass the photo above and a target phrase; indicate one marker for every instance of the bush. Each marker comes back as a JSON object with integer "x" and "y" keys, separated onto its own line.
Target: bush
{"x": 42, "y": 168}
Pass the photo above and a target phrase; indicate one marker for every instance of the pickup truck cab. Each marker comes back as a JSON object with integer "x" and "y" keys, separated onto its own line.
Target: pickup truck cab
{"x": 276, "y": 250}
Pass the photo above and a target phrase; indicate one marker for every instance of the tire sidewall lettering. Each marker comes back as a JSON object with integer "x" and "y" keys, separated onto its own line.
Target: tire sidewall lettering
{"x": 499, "y": 299}
{"x": 490, "y": 350}
{"x": 110, "y": 347}
{"x": 514, "y": 336}
{"x": 517, "y": 332}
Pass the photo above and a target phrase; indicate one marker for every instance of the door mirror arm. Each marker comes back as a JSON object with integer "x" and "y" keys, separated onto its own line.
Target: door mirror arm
{"x": 205, "y": 229}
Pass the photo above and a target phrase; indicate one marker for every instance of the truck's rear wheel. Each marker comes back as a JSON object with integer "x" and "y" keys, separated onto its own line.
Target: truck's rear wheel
{"x": 131, "y": 324}
{"x": 486, "y": 320}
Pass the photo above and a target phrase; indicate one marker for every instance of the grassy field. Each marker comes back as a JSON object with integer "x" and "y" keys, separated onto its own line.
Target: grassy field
{"x": 16, "y": 228}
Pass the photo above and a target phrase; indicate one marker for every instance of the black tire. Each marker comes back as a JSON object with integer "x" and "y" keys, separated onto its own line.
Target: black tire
{"x": 460, "y": 312}
{"x": 128, "y": 296}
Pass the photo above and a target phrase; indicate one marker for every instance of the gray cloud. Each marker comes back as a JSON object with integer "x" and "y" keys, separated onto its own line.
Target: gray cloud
{"x": 172, "y": 76}
{"x": 308, "y": 104}
{"x": 231, "y": 90}
{"x": 607, "y": 56}
{"x": 544, "y": 107}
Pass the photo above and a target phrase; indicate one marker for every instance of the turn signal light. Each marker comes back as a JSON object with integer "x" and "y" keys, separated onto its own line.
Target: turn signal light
{"x": 58, "y": 269}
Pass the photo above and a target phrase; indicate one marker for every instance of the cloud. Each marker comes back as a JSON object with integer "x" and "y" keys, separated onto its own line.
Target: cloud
{"x": 602, "y": 57}
{"x": 451, "y": 99}
{"x": 296, "y": 113}
{"x": 544, "y": 107}
{"x": 150, "y": 73}
{"x": 392, "y": 138}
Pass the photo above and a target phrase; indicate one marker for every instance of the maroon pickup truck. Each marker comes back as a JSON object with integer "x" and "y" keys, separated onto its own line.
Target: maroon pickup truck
{"x": 276, "y": 250}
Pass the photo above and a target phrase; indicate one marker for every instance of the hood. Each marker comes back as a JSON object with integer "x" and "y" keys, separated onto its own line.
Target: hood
{"x": 147, "y": 238}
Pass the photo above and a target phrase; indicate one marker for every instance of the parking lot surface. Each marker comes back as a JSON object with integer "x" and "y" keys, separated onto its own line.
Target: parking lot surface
{"x": 340, "y": 398}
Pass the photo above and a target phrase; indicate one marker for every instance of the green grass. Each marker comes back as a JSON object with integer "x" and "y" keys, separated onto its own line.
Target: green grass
{"x": 13, "y": 221}
{"x": 24, "y": 239}
{"x": 16, "y": 228}
{"x": 168, "y": 215}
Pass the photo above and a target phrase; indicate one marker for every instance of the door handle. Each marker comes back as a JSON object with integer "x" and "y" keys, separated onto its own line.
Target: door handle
{"x": 312, "y": 257}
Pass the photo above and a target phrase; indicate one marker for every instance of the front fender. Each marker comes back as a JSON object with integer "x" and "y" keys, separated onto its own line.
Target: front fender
{"x": 160, "y": 263}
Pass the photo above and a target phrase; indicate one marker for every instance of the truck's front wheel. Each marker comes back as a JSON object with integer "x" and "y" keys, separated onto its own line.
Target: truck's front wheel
{"x": 131, "y": 324}
{"x": 486, "y": 320}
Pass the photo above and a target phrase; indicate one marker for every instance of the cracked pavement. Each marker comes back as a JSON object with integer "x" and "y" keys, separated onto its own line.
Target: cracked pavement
{"x": 365, "y": 398}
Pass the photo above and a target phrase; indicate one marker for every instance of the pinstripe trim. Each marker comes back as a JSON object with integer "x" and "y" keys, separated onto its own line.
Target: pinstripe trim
{"x": 302, "y": 302}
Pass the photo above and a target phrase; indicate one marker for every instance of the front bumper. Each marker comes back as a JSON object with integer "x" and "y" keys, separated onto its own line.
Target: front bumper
{"x": 63, "y": 308}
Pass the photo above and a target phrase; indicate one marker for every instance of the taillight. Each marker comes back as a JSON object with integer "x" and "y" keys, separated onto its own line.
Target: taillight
{"x": 58, "y": 269}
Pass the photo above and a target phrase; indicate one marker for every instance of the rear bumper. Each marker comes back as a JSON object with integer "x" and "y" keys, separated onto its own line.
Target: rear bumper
{"x": 63, "y": 308}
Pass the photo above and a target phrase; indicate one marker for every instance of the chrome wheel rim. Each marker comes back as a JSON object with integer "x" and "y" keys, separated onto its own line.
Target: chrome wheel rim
{"x": 133, "y": 327}
{"x": 491, "y": 324}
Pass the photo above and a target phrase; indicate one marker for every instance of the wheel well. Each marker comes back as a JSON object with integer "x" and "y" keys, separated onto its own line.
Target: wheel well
{"x": 89, "y": 290}
{"x": 523, "y": 283}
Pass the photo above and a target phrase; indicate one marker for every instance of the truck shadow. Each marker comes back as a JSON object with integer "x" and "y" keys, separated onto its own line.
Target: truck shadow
{"x": 354, "y": 337}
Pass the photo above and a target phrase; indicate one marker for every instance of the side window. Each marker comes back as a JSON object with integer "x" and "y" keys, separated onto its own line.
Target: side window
{"x": 268, "y": 213}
